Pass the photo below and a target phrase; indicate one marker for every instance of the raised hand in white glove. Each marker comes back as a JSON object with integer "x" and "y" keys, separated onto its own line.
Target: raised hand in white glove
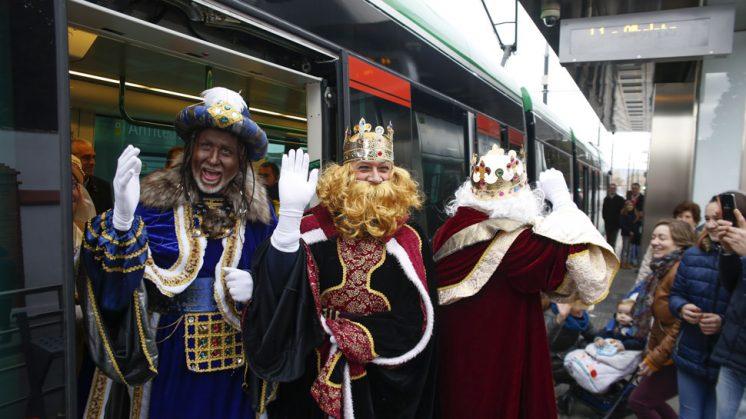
{"x": 552, "y": 183}
{"x": 126, "y": 188}
{"x": 240, "y": 284}
{"x": 296, "y": 187}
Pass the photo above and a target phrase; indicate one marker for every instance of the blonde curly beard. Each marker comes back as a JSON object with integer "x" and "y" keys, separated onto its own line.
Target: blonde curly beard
{"x": 362, "y": 209}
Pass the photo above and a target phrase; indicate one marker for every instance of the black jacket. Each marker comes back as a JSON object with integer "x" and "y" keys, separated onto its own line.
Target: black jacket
{"x": 612, "y": 207}
{"x": 100, "y": 192}
{"x": 730, "y": 350}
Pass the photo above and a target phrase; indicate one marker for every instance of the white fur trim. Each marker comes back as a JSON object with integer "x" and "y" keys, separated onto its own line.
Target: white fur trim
{"x": 313, "y": 236}
{"x": 524, "y": 206}
{"x": 348, "y": 412}
{"x": 394, "y": 248}
{"x": 154, "y": 272}
{"x": 228, "y": 261}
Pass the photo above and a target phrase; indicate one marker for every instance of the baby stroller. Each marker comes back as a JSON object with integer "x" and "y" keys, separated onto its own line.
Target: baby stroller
{"x": 608, "y": 405}
{"x": 603, "y": 384}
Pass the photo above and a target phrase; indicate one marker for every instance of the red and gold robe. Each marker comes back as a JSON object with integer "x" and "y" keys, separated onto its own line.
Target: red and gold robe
{"x": 493, "y": 352}
{"x": 373, "y": 356}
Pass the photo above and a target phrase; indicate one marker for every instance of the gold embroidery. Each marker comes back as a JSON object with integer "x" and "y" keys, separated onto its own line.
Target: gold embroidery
{"x": 122, "y": 270}
{"x": 169, "y": 277}
{"x": 136, "y": 405}
{"x": 96, "y": 400}
{"x": 359, "y": 376}
{"x": 227, "y": 305}
{"x": 89, "y": 229}
{"x": 369, "y": 336}
{"x": 134, "y": 254}
{"x": 88, "y": 246}
{"x": 102, "y": 332}
{"x": 482, "y": 270}
{"x": 359, "y": 259}
{"x": 475, "y": 233}
{"x": 141, "y": 331}
{"x": 355, "y": 340}
{"x": 331, "y": 364}
{"x": 112, "y": 240}
{"x": 211, "y": 343}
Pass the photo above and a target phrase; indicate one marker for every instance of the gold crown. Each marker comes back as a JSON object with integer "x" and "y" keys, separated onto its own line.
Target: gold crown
{"x": 368, "y": 144}
{"x": 497, "y": 175}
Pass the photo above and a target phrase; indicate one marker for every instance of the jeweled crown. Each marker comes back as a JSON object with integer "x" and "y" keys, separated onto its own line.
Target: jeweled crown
{"x": 497, "y": 175}
{"x": 369, "y": 144}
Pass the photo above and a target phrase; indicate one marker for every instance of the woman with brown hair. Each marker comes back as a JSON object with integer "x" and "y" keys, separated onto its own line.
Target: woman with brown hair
{"x": 655, "y": 321}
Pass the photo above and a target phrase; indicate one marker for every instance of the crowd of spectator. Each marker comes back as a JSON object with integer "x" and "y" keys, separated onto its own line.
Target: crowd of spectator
{"x": 686, "y": 310}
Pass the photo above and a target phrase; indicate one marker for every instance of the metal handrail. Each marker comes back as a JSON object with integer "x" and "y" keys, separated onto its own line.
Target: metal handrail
{"x": 33, "y": 290}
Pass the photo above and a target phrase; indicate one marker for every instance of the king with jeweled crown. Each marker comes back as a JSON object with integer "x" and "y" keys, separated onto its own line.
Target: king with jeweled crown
{"x": 369, "y": 144}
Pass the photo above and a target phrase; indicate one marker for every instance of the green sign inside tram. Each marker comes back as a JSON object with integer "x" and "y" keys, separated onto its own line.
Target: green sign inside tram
{"x": 111, "y": 135}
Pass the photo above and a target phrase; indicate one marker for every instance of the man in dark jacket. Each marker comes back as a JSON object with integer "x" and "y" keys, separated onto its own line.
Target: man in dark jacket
{"x": 98, "y": 189}
{"x": 612, "y": 206}
{"x": 730, "y": 351}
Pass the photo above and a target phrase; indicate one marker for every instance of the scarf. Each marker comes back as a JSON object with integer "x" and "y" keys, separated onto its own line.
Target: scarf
{"x": 642, "y": 312}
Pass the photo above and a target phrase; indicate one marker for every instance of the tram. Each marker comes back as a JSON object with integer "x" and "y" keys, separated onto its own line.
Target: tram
{"x": 307, "y": 72}
{"x": 116, "y": 72}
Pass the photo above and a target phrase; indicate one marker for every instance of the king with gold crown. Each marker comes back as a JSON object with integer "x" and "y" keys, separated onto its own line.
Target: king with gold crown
{"x": 495, "y": 255}
{"x": 342, "y": 313}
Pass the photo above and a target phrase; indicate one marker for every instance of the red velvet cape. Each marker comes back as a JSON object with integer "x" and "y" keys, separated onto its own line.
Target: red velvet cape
{"x": 493, "y": 355}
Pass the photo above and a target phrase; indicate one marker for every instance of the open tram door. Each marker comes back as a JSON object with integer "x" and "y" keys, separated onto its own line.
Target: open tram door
{"x": 131, "y": 72}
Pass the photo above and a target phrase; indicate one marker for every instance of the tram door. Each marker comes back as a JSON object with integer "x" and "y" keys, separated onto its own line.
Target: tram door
{"x": 129, "y": 78}
{"x": 37, "y": 326}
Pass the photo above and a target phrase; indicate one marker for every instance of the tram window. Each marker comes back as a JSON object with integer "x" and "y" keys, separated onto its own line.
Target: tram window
{"x": 147, "y": 120}
{"x": 378, "y": 111}
{"x": 443, "y": 164}
{"x": 485, "y": 143}
{"x": 556, "y": 159}
{"x": 583, "y": 189}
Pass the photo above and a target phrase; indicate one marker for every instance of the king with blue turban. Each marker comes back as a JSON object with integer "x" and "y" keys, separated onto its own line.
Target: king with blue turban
{"x": 165, "y": 273}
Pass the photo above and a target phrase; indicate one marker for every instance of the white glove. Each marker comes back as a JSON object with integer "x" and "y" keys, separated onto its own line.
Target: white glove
{"x": 552, "y": 183}
{"x": 296, "y": 189}
{"x": 240, "y": 284}
{"x": 126, "y": 188}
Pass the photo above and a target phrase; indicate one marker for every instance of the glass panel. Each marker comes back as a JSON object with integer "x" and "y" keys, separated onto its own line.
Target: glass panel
{"x": 555, "y": 159}
{"x": 485, "y": 143}
{"x": 443, "y": 164}
{"x": 31, "y": 255}
{"x": 97, "y": 117}
{"x": 377, "y": 111}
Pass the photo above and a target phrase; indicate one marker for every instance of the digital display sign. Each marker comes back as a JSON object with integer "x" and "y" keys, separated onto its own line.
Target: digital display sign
{"x": 676, "y": 33}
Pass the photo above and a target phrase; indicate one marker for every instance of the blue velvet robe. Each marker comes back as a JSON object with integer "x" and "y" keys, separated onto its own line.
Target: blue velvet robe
{"x": 175, "y": 391}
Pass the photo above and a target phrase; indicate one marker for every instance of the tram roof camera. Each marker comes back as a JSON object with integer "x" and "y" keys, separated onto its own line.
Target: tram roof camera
{"x": 550, "y": 13}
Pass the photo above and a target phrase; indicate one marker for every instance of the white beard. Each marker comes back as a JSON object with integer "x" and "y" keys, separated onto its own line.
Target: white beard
{"x": 525, "y": 206}
{"x": 210, "y": 189}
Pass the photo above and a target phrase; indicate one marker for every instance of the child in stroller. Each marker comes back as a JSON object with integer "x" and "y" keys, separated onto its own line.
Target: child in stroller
{"x": 622, "y": 336}
{"x": 568, "y": 327}
{"x": 604, "y": 373}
